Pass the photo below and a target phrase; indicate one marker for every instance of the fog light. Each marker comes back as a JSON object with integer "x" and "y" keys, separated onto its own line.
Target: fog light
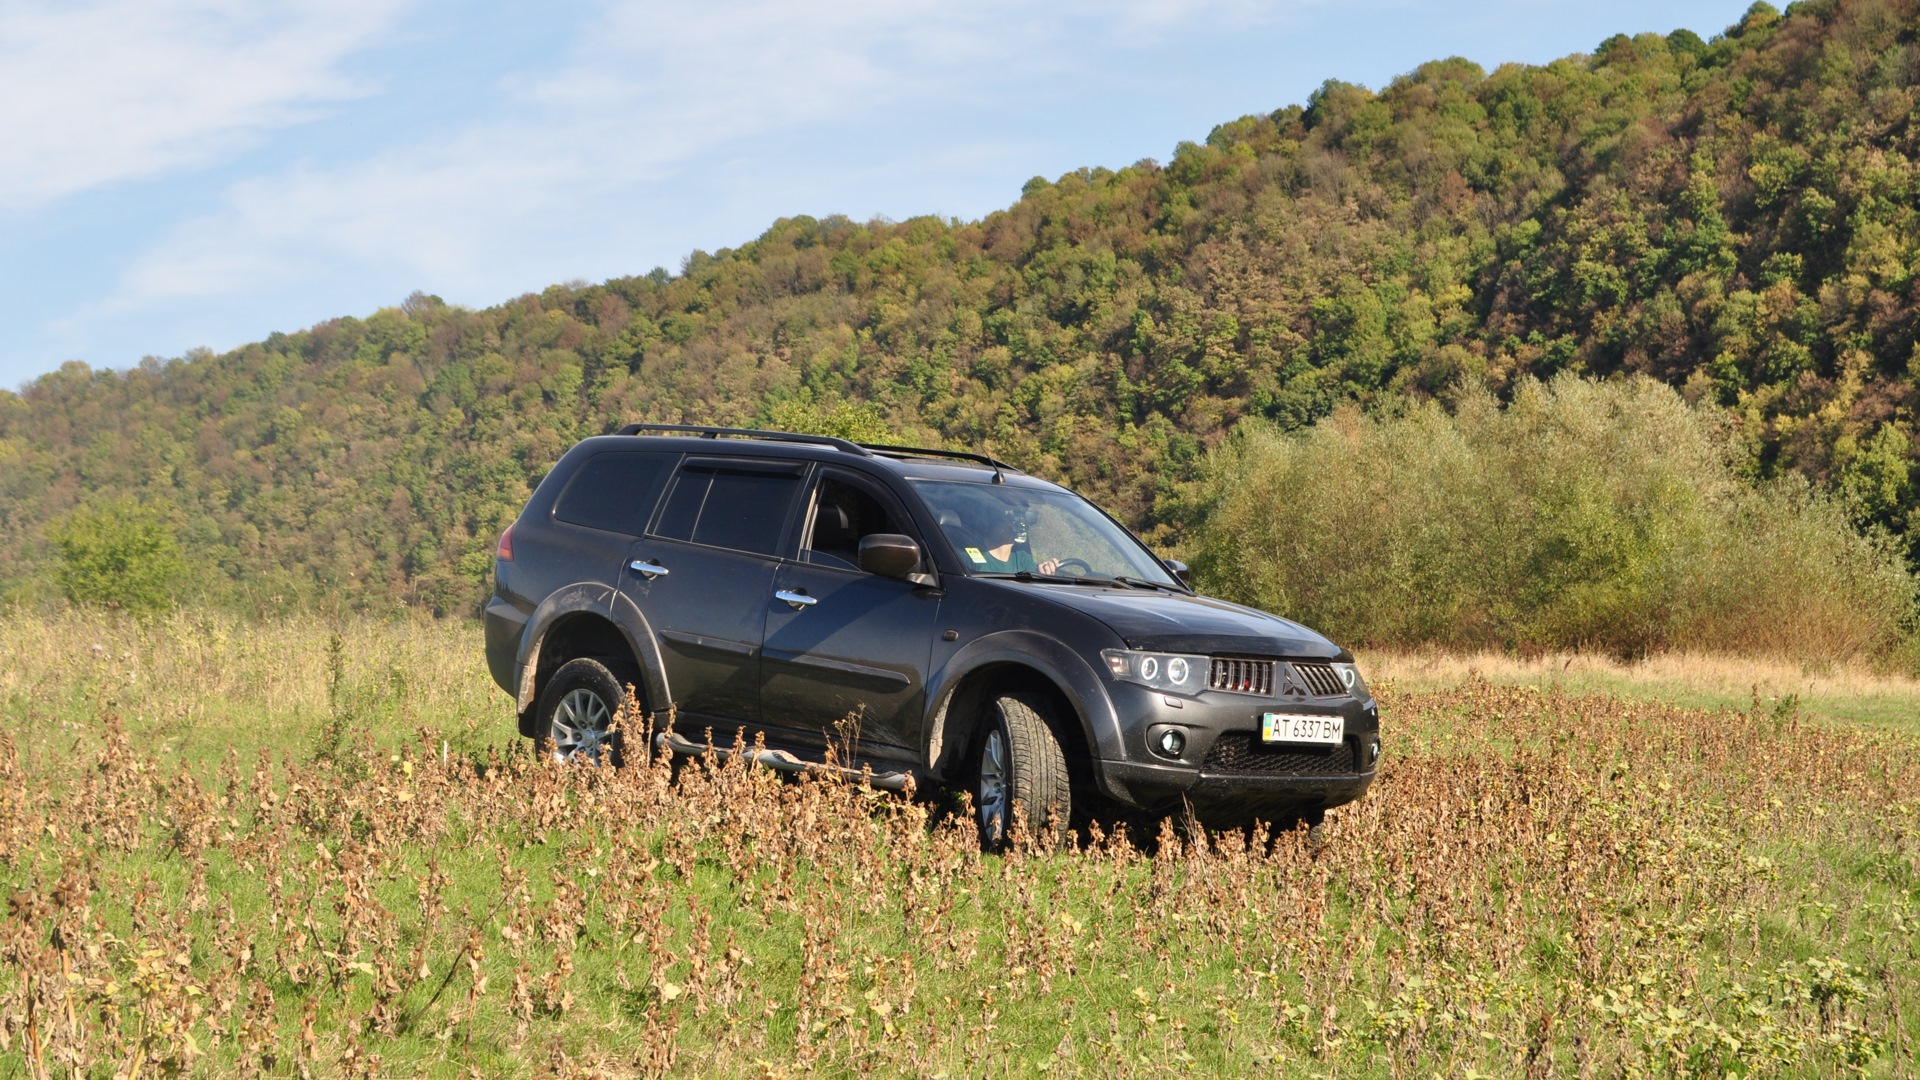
{"x": 1373, "y": 753}
{"x": 1172, "y": 742}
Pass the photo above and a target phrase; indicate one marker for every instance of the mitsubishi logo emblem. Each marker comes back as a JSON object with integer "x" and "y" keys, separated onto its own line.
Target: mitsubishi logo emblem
{"x": 1287, "y": 685}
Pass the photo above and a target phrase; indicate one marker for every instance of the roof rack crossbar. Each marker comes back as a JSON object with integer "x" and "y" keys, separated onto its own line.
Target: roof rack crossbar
{"x": 747, "y": 433}
{"x": 962, "y": 455}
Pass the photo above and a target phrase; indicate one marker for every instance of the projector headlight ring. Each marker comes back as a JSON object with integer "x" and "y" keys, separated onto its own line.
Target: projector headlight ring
{"x": 1175, "y": 673}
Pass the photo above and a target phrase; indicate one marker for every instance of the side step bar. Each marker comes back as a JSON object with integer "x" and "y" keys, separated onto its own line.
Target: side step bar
{"x": 780, "y": 761}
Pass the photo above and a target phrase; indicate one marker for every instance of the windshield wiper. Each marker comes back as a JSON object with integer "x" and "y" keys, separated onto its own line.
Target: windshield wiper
{"x": 1143, "y": 583}
{"x": 1057, "y": 579}
{"x": 1051, "y": 579}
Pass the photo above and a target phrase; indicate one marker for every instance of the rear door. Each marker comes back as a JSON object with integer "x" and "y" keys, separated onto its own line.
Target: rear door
{"x": 704, "y": 575}
{"x": 846, "y": 651}
{"x": 604, "y": 505}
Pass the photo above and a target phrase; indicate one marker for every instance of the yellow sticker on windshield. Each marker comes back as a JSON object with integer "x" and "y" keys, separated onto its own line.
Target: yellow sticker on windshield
{"x": 974, "y": 554}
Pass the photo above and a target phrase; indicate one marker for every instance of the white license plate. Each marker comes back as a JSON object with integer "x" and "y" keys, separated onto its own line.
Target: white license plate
{"x": 1293, "y": 728}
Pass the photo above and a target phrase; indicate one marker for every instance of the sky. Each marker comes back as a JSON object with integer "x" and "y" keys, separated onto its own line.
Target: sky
{"x": 182, "y": 174}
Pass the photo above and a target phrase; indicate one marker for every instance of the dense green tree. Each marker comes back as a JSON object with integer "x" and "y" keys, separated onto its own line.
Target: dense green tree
{"x": 117, "y": 554}
{"x": 1583, "y": 514}
{"x": 842, "y": 419}
{"x": 1738, "y": 218}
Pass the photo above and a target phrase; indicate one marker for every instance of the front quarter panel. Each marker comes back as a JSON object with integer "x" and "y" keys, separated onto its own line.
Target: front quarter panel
{"x": 994, "y": 622}
{"x": 1038, "y": 652}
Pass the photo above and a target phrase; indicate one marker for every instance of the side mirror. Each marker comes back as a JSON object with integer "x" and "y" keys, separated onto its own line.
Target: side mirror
{"x": 889, "y": 554}
{"x": 1179, "y": 570}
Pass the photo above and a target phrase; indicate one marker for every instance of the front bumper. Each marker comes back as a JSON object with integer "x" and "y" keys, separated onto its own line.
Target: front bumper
{"x": 1224, "y": 771}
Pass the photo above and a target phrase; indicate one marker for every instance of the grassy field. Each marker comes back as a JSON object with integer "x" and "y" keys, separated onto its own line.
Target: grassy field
{"x": 302, "y": 848}
{"x": 1844, "y": 693}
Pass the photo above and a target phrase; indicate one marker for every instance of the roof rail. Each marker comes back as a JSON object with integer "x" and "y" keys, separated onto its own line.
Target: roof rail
{"x": 747, "y": 433}
{"x": 902, "y": 451}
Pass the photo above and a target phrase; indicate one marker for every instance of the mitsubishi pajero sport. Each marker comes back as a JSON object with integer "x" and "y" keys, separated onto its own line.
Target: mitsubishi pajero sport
{"x": 947, "y": 618}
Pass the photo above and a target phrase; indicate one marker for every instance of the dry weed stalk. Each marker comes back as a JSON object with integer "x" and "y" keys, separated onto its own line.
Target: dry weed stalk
{"x": 1538, "y": 884}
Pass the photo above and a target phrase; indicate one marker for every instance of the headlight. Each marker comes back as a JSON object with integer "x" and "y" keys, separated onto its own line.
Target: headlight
{"x": 1162, "y": 671}
{"x": 1350, "y": 678}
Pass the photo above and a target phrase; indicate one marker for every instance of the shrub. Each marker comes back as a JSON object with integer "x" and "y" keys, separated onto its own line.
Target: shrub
{"x": 1595, "y": 515}
{"x": 119, "y": 554}
{"x": 859, "y": 422}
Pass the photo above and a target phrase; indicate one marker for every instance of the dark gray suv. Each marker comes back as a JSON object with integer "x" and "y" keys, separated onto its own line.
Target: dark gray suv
{"x": 940, "y": 615}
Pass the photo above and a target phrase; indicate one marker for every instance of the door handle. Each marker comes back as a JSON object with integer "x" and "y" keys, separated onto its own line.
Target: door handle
{"x": 648, "y": 570}
{"x": 798, "y": 600}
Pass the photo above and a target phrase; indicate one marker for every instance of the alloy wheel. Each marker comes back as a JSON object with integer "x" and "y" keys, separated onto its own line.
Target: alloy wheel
{"x": 580, "y": 728}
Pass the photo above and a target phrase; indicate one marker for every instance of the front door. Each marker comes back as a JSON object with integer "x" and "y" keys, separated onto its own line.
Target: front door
{"x": 703, "y": 578}
{"x": 845, "y": 653}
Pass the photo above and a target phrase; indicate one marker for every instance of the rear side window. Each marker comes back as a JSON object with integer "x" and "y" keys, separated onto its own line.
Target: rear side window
{"x": 615, "y": 492}
{"x": 739, "y": 506}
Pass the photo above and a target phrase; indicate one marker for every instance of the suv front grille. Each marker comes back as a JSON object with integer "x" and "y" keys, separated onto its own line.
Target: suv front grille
{"x": 1242, "y": 753}
{"x": 1241, "y": 676}
{"x": 1320, "y": 680}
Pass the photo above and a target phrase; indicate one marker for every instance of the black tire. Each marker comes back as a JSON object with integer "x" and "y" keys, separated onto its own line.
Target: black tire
{"x": 1017, "y": 760}
{"x": 579, "y": 705}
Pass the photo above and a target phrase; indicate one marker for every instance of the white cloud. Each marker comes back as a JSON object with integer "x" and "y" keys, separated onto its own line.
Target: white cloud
{"x": 435, "y": 210}
{"x": 92, "y": 93}
{"x": 1143, "y": 23}
{"x": 649, "y": 87}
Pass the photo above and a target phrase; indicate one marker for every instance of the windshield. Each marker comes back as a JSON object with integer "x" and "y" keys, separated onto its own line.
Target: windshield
{"x": 1000, "y": 529}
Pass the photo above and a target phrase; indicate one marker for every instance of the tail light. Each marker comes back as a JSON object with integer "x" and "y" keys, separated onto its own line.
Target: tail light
{"x": 505, "y": 551}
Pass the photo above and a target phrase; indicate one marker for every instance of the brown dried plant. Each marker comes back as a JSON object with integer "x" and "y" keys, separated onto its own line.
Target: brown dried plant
{"x": 1538, "y": 884}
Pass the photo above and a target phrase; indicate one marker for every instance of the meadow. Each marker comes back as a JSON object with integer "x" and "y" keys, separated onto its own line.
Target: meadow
{"x": 1839, "y": 693}
{"x": 313, "y": 847}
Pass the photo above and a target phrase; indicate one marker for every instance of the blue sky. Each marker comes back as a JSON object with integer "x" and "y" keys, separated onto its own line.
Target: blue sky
{"x": 185, "y": 173}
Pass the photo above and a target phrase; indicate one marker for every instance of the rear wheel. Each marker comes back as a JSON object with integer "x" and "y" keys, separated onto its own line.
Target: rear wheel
{"x": 578, "y": 710}
{"x": 1017, "y": 762}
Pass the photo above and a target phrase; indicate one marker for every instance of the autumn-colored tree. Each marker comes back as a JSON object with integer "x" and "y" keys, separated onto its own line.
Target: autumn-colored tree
{"x": 1733, "y": 216}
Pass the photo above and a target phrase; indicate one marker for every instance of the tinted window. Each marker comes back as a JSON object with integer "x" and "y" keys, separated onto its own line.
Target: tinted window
{"x": 737, "y": 508}
{"x": 615, "y": 492}
{"x": 689, "y": 493}
{"x": 843, "y": 512}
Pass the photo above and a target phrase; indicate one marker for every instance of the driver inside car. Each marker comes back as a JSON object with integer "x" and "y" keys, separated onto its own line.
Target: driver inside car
{"x": 1002, "y": 553}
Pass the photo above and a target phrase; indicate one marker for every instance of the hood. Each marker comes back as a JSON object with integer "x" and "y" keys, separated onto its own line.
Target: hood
{"x": 1174, "y": 622}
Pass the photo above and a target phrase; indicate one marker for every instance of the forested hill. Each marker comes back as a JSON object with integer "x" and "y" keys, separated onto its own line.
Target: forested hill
{"x": 1736, "y": 217}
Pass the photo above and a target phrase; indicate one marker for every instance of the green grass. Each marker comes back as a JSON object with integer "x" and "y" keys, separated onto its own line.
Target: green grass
{"x": 1538, "y": 882}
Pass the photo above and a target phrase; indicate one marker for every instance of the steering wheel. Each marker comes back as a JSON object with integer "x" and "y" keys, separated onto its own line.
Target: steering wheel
{"x": 1081, "y": 564}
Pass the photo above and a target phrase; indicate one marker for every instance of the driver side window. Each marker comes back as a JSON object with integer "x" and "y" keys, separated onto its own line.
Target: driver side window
{"x": 843, "y": 512}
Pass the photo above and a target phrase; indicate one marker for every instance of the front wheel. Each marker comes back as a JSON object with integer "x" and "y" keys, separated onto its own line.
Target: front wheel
{"x": 578, "y": 710}
{"x": 1018, "y": 762}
